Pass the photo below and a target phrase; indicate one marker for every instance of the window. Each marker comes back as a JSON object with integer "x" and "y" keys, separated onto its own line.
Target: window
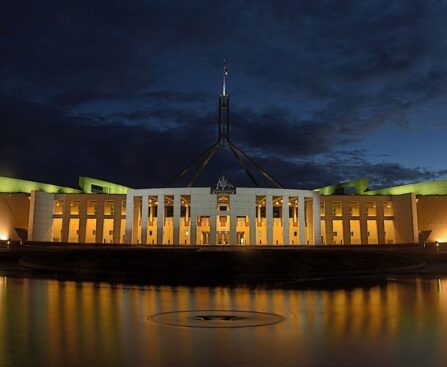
{"x": 92, "y": 207}
{"x": 277, "y": 212}
{"x": 99, "y": 189}
{"x": 388, "y": 209}
{"x": 223, "y": 202}
{"x": 58, "y": 207}
{"x": 322, "y": 212}
{"x": 354, "y": 209}
{"x": 169, "y": 210}
{"x": 336, "y": 209}
{"x": 371, "y": 209}
{"x": 109, "y": 207}
{"x": 74, "y": 207}
{"x": 241, "y": 221}
{"x": 123, "y": 207}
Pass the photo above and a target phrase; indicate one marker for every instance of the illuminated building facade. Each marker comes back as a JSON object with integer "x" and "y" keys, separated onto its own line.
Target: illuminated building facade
{"x": 102, "y": 212}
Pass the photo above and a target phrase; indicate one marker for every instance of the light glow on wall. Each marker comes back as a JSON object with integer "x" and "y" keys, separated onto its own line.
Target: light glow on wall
{"x": 12, "y": 185}
{"x": 85, "y": 183}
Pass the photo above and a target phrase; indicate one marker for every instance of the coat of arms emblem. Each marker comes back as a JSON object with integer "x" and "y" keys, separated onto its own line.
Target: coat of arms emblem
{"x": 223, "y": 187}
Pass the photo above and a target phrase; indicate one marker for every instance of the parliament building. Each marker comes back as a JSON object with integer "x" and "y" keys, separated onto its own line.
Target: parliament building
{"x": 106, "y": 213}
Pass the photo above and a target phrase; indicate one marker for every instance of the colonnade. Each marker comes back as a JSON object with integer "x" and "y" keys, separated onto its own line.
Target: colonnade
{"x": 203, "y": 204}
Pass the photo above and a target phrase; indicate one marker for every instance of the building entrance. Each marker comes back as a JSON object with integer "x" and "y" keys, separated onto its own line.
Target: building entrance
{"x": 223, "y": 237}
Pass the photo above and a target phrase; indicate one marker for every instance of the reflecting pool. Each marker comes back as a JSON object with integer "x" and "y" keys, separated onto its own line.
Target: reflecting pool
{"x": 400, "y": 322}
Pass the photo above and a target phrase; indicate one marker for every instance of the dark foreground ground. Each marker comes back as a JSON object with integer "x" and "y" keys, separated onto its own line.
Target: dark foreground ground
{"x": 214, "y": 265}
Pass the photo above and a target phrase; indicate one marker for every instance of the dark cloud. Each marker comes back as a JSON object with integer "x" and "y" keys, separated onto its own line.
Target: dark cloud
{"x": 74, "y": 97}
{"x": 58, "y": 149}
{"x": 169, "y": 96}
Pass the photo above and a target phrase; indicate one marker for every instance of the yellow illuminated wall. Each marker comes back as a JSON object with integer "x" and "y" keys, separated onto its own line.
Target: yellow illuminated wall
{"x": 243, "y": 230}
{"x": 432, "y": 216}
{"x": 337, "y": 226}
{"x": 90, "y": 230}
{"x": 73, "y": 230}
{"x": 389, "y": 231}
{"x": 107, "y": 233}
{"x": 354, "y": 226}
{"x": 261, "y": 232}
{"x": 57, "y": 230}
{"x": 14, "y": 211}
{"x": 371, "y": 226}
{"x": 203, "y": 230}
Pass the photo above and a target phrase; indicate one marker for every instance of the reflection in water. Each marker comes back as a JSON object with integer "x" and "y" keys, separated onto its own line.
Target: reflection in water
{"x": 51, "y": 323}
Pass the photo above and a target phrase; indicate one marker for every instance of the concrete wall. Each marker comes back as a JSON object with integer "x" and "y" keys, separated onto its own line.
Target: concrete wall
{"x": 405, "y": 222}
{"x": 432, "y": 216}
{"x": 14, "y": 209}
{"x": 411, "y": 215}
{"x": 100, "y": 216}
{"x": 404, "y": 218}
{"x": 40, "y": 216}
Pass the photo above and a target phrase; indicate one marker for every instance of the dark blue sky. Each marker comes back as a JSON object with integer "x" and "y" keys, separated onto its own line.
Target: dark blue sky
{"x": 126, "y": 91}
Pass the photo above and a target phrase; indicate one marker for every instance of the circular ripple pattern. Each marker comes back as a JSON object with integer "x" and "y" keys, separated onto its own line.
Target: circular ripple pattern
{"x": 216, "y": 318}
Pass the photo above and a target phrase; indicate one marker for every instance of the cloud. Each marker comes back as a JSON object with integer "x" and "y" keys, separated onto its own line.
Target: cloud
{"x": 125, "y": 90}
{"x": 169, "y": 96}
{"x": 57, "y": 149}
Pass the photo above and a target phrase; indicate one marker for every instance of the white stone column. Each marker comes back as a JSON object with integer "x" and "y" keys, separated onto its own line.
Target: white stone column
{"x": 213, "y": 228}
{"x": 177, "y": 204}
{"x": 193, "y": 225}
{"x": 285, "y": 220}
{"x": 363, "y": 223}
{"x": 160, "y": 218}
{"x": 151, "y": 212}
{"x": 317, "y": 219}
{"x": 302, "y": 226}
{"x": 269, "y": 218}
{"x": 252, "y": 214}
{"x": 233, "y": 222}
{"x": 144, "y": 212}
{"x": 129, "y": 215}
{"x": 41, "y": 216}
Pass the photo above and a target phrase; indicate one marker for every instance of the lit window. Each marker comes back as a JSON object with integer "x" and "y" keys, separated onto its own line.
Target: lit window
{"x": 336, "y": 209}
{"x": 92, "y": 207}
{"x": 388, "y": 209}
{"x": 371, "y": 209}
{"x": 58, "y": 207}
{"x": 74, "y": 207}
{"x": 354, "y": 209}
{"x": 109, "y": 207}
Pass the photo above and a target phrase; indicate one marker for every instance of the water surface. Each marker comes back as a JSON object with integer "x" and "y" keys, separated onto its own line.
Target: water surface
{"x": 64, "y": 323}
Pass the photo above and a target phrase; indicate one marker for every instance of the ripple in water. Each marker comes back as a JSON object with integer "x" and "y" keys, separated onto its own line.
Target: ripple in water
{"x": 216, "y": 318}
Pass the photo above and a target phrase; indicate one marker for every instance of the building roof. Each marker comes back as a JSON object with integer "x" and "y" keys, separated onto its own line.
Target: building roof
{"x": 88, "y": 185}
{"x": 360, "y": 187}
{"x": 93, "y": 185}
{"x": 14, "y": 185}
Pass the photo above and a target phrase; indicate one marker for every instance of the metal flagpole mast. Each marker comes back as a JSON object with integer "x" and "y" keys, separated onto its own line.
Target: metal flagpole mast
{"x": 223, "y": 136}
